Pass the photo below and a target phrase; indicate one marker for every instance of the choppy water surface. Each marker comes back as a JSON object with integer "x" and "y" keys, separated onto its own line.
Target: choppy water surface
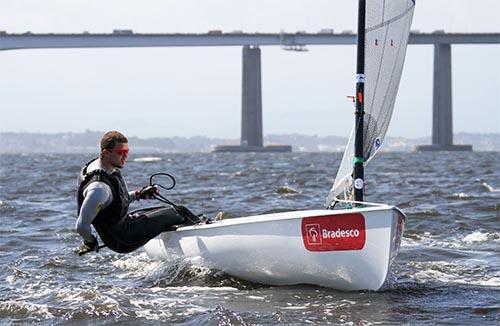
{"x": 448, "y": 269}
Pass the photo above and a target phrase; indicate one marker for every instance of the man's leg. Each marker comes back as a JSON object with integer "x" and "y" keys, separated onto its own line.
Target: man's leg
{"x": 138, "y": 227}
{"x": 142, "y": 226}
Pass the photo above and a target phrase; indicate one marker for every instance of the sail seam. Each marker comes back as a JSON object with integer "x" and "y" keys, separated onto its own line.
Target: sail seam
{"x": 394, "y": 68}
{"x": 395, "y": 18}
{"x": 370, "y": 104}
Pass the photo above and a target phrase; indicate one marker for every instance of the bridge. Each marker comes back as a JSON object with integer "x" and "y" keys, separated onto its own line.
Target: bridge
{"x": 251, "y": 131}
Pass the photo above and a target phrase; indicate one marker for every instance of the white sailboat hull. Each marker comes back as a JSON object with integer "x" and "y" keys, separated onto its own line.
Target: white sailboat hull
{"x": 342, "y": 249}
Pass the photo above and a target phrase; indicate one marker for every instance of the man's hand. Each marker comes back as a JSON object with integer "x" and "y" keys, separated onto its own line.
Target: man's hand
{"x": 87, "y": 247}
{"x": 148, "y": 192}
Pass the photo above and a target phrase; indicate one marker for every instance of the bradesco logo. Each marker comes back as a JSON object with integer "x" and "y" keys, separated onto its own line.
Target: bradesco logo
{"x": 334, "y": 232}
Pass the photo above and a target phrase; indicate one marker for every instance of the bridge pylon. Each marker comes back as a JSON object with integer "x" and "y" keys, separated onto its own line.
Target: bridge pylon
{"x": 442, "y": 117}
{"x": 251, "y": 108}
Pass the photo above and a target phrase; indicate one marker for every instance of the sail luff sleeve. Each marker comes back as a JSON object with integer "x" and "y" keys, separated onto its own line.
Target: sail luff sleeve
{"x": 358, "y": 165}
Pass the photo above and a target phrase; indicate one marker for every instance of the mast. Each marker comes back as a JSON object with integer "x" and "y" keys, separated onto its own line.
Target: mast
{"x": 360, "y": 111}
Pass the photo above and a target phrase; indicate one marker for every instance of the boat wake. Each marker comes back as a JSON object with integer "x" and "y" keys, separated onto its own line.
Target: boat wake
{"x": 462, "y": 271}
{"x": 177, "y": 272}
{"x": 456, "y": 259}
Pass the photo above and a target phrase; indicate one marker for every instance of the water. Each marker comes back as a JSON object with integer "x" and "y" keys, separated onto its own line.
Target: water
{"x": 448, "y": 269}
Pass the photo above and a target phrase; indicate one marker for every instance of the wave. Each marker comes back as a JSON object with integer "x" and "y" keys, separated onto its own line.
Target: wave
{"x": 463, "y": 271}
{"x": 460, "y": 195}
{"x": 457, "y": 241}
{"x": 11, "y": 308}
{"x": 286, "y": 190}
{"x": 476, "y": 237}
{"x": 240, "y": 174}
{"x": 489, "y": 188}
{"x": 147, "y": 159}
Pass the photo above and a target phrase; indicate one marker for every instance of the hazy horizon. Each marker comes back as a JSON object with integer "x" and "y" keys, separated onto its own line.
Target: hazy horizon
{"x": 16, "y": 142}
{"x": 53, "y": 133}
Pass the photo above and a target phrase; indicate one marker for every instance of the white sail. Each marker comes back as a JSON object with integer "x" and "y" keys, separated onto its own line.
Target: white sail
{"x": 386, "y": 37}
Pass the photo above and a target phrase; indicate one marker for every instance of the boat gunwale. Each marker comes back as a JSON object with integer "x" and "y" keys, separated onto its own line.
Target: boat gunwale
{"x": 282, "y": 216}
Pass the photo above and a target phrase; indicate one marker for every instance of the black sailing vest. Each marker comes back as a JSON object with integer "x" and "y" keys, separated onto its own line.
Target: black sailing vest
{"x": 118, "y": 207}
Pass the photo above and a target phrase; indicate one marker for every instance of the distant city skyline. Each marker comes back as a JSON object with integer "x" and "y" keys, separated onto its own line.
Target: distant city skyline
{"x": 164, "y": 92}
{"x": 88, "y": 142}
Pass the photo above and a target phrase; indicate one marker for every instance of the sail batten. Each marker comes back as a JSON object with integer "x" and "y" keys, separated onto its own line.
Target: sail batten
{"x": 386, "y": 32}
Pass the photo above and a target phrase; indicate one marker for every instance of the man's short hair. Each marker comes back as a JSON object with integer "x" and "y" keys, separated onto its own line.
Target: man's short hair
{"x": 112, "y": 138}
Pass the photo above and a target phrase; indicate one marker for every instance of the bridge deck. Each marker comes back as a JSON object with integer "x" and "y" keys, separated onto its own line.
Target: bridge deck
{"x": 30, "y": 41}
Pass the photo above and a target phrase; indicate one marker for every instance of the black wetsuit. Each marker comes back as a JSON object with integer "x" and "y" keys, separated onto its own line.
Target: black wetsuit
{"x": 119, "y": 230}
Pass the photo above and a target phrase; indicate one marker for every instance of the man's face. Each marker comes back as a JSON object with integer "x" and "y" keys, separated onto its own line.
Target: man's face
{"x": 118, "y": 155}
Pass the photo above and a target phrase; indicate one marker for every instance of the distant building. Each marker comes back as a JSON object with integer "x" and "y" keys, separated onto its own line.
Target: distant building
{"x": 123, "y": 31}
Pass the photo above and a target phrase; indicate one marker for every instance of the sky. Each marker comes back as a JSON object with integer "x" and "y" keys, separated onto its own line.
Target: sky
{"x": 165, "y": 92}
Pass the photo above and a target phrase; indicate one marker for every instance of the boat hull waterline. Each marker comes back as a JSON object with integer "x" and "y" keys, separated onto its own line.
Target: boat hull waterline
{"x": 347, "y": 250}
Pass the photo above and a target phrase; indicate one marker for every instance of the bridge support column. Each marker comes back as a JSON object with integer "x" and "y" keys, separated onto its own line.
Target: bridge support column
{"x": 442, "y": 119}
{"x": 251, "y": 108}
{"x": 251, "y": 99}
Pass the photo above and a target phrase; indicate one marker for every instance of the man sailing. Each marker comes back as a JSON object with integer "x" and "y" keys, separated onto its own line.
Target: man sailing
{"x": 103, "y": 201}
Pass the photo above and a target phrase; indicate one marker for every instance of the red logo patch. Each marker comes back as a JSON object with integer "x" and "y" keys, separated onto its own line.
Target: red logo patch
{"x": 334, "y": 232}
